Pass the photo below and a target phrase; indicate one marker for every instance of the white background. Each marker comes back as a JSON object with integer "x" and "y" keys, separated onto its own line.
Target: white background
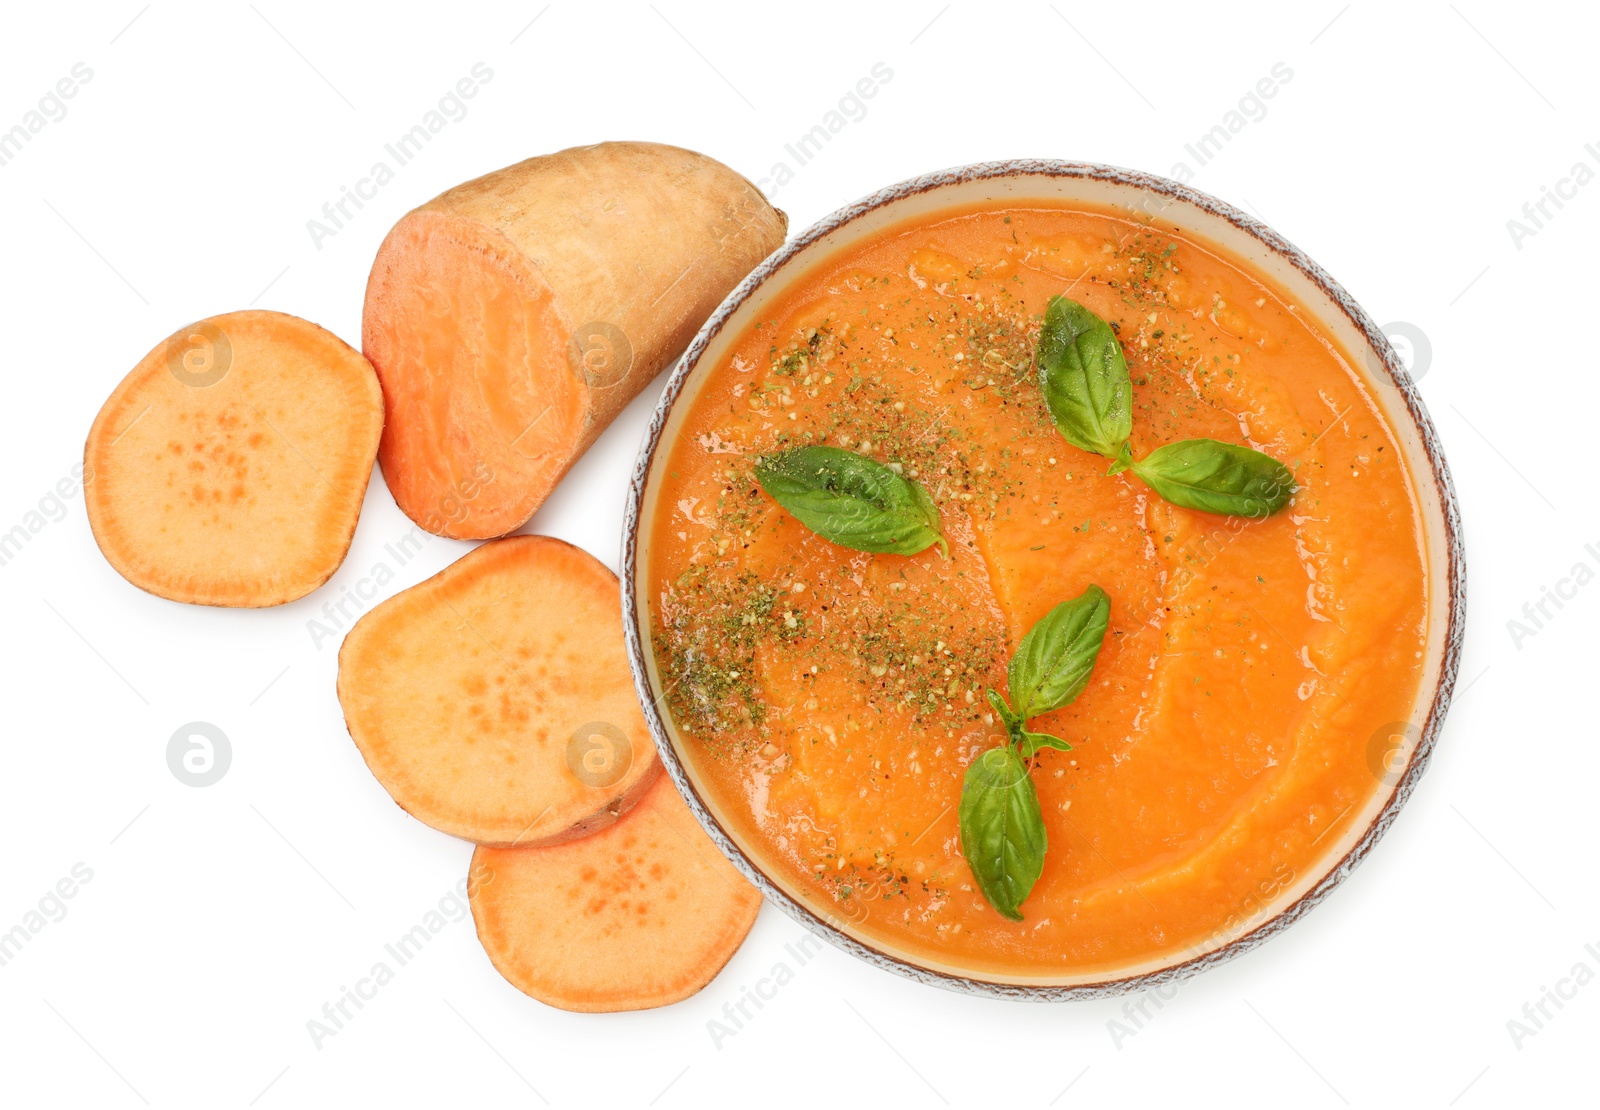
{"x": 220, "y": 919}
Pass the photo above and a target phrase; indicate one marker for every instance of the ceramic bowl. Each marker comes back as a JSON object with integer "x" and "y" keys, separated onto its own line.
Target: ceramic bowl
{"x": 1398, "y": 756}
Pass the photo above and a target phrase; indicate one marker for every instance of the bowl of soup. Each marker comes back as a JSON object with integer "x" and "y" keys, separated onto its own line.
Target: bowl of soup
{"x": 1269, "y": 688}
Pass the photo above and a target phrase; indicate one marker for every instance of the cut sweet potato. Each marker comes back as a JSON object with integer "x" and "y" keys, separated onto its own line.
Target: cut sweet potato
{"x": 511, "y": 318}
{"x": 643, "y": 914}
{"x": 493, "y": 701}
{"x": 228, "y": 468}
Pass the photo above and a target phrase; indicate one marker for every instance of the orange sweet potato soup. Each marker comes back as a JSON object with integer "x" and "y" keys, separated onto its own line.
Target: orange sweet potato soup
{"x": 831, "y": 700}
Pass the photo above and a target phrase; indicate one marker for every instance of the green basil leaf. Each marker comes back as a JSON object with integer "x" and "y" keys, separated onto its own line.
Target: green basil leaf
{"x": 1029, "y": 743}
{"x": 852, "y": 500}
{"x": 1084, "y": 378}
{"x": 1007, "y": 718}
{"x": 1002, "y": 830}
{"x": 1053, "y": 662}
{"x": 1122, "y": 461}
{"x": 1217, "y": 477}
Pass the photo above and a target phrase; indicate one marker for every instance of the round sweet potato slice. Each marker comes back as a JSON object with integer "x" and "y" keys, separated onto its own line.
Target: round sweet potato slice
{"x": 640, "y": 915}
{"x": 493, "y": 701}
{"x": 228, "y": 467}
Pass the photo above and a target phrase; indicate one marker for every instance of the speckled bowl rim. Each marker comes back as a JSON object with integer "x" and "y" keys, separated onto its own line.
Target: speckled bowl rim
{"x": 1453, "y": 591}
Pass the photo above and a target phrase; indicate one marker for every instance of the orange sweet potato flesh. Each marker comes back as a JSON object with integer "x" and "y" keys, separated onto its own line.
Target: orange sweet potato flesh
{"x": 493, "y": 701}
{"x": 511, "y": 318}
{"x": 228, "y": 467}
{"x": 643, "y": 914}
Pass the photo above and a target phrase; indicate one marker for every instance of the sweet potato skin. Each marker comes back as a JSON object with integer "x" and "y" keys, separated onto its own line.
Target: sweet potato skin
{"x": 228, "y": 467}
{"x": 472, "y": 696}
{"x": 643, "y": 914}
{"x": 512, "y": 317}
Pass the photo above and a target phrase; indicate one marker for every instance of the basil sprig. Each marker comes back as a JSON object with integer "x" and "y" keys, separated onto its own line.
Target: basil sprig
{"x": 852, "y": 500}
{"x": 1002, "y": 830}
{"x": 1086, "y": 386}
{"x": 1085, "y": 378}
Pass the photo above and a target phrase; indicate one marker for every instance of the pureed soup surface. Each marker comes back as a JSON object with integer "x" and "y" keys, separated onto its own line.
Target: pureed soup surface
{"x": 832, "y": 699}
